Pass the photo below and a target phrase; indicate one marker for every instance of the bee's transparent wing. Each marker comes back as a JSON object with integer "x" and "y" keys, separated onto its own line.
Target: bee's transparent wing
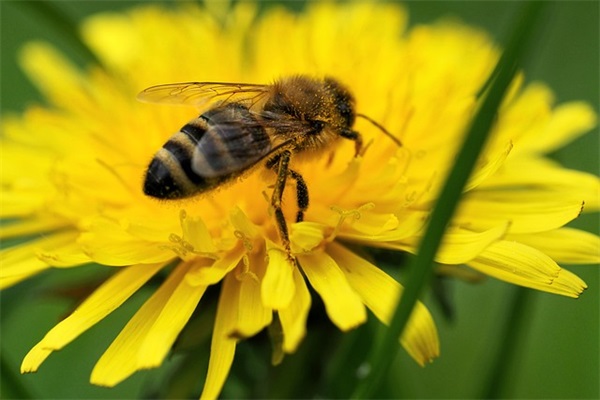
{"x": 201, "y": 93}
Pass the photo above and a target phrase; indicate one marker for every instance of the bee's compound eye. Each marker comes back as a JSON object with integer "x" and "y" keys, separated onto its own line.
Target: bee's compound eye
{"x": 160, "y": 183}
{"x": 316, "y": 127}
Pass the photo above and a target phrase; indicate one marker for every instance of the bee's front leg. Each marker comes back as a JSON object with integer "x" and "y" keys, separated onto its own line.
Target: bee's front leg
{"x": 282, "y": 162}
{"x": 357, "y": 138}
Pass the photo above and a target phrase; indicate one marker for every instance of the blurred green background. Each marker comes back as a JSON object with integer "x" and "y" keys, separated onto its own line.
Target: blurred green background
{"x": 556, "y": 348}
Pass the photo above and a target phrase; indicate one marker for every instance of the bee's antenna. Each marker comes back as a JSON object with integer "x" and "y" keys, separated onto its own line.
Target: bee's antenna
{"x": 381, "y": 128}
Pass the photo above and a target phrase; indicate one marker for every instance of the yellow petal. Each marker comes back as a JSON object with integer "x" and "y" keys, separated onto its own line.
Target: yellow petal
{"x": 565, "y": 245}
{"x": 212, "y": 274}
{"x": 222, "y": 348}
{"x": 344, "y": 307}
{"x": 363, "y": 220}
{"x": 53, "y": 74}
{"x": 538, "y": 173}
{"x": 30, "y": 226}
{"x": 98, "y": 305}
{"x": 146, "y": 339}
{"x": 196, "y": 233}
{"x": 36, "y": 356}
{"x": 339, "y": 185}
{"x": 108, "y": 243}
{"x": 68, "y": 255}
{"x": 380, "y": 293}
{"x": 459, "y": 245}
{"x": 525, "y": 266}
{"x": 13, "y": 280}
{"x": 388, "y": 184}
{"x": 20, "y": 262}
{"x": 252, "y": 315}
{"x": 293, "y": 318}
{"x": 373, "y": 223}
{"x": 171, "y": 321}
{"x": 277, "y": 288}
{"x": 305, "y": 236}
{"x": 487, "y": 166}
{"x": 242, "y": 223}
{"x": 20, "y": 204}
{"x": 24, "y": 193}
{"x": 567, "y": 122}
{"x": 567, "y": 283}
{"x": 122, "y": 251}
{"x": 411, "y": 223}
{"x": 527, "y": 212}
{"x": 111, "y": 36}
{"x": 20, "y": 270}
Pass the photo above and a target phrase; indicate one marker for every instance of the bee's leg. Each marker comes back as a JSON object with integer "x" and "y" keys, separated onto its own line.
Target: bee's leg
{"x": 356, "y": 137}
{"x": 281, "y": 162}
{"x": 301, "y": 194}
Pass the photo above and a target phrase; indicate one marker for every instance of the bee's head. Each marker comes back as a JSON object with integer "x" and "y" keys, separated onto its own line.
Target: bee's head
{"x": 343, "y": 100}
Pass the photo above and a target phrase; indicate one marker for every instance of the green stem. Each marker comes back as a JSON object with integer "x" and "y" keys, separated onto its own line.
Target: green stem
{"x": 507, "y": 350}
{"x": 422, "y": 266}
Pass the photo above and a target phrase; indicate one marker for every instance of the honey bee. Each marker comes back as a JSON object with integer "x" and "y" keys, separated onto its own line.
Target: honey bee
{"x": 248, "y": 125}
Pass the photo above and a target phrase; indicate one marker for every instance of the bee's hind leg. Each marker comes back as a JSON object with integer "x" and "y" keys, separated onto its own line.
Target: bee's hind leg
{"x": 281, "y": 162}
{"x": 301, "y": 194}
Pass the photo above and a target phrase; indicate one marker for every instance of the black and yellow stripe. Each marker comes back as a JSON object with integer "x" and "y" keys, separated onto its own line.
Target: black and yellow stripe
{"x": 208, "y": 151}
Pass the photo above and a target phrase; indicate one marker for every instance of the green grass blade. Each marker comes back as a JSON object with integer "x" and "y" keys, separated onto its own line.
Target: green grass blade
{"x": 422, "y": 265}
{"x": 494, "y": 386}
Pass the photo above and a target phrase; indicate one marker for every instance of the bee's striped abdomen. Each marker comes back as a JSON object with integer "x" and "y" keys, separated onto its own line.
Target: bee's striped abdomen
{"x": 169, "y": 175}
{"x": 213, "y": 148}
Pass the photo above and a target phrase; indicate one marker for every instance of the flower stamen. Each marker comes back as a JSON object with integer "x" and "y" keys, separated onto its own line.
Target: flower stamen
{"x": 343, "y": 214}
{"x": 244, "y": 239}
{"x": 182, "y": 247}
{"x": 246, "y": 272}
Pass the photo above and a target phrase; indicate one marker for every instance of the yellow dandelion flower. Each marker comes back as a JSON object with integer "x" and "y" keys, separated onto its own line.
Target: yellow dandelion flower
{"x": 81, "y": 193}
